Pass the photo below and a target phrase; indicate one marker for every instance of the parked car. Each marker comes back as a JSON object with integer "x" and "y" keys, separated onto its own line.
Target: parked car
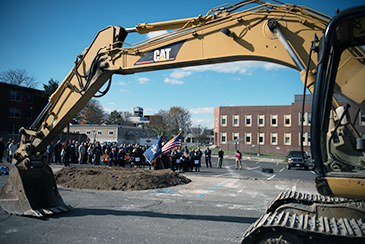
{"x": 295, "y": 159}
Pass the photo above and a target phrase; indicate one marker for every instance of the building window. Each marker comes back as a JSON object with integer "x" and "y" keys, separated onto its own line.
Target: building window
{"x": 274, "y": 138}
{"x": 287, "y": 139}
{"x": 248, "y": 119}
{"x": 223, "y": 137}
{"x": 30, "y": 98}
{"x": 306, "y": 118}
{"x": 15, "y": 96}
{"x": 110, "y": 133}
{"x": 287, "y": 119}
{"x": 29, "y": 114}
{"x": 260, "y": 138}
{"x": 362, "y": 118}
{"x": 100, "y": 132}
{"x": 235, "y": 135}
{"x": 88, "y": 132}
{"x": 261, "y": 119}
{"x": 14, "y": 113}
{"x": 306, "y": 139}
{"x": 248, "y": 138}
{"x": 13, "y": 131}
{"x": 224, "y": 120}
{"x": 274, "y": 120}
{"x": 236, "y": 120}
{"x": 216, "y": 121}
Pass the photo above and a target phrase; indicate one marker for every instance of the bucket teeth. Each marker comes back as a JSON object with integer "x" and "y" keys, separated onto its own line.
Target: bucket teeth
{"x": 46, "y": 211}
{"x": 55, "y": 210}
{"x": 31, "y": 192}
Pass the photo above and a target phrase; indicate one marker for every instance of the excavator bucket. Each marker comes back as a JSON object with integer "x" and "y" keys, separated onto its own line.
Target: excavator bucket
{"x": 31, "y": 192}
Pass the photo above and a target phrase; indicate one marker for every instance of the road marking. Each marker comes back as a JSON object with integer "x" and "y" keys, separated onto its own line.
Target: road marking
{"x": 213, "y": 188}
{"x": 312, "y": 172}
{"x": 294, "y": 188}
{"x": 257, "y": 162}
{"x": 282, "y": 169}
{"x": 252, "y": 168}
{"x": 164, "y": 191}
{"x": 271, "y": 177}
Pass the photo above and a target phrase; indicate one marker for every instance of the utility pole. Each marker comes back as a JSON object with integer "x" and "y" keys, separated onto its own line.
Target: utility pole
{"x": 259, "y": 142}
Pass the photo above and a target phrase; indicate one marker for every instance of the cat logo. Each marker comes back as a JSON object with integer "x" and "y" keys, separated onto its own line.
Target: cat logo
{"x": 163, "y": 54}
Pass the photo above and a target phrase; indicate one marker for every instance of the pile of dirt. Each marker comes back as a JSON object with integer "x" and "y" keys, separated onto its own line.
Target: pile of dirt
{"x": 118, "y": 178}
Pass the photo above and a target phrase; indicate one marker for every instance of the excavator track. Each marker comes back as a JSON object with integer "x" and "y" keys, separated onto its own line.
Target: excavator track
{"x": 295, "y": 217}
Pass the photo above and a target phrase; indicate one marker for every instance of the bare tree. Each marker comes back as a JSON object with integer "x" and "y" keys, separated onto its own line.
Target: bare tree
{"x": 169, "y": 123}
{"x": 158, "y": 124}
{"x": 178, "y": 119}
{"x": 116, "y": 117}
{"x": 19, "y": 77}
{"x": 92, "y": 113}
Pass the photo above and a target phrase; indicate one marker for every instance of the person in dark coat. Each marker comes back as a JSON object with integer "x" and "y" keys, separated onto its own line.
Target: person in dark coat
{"x": 97, "y": 153}
{"x": 199, "y": 154}
{"x": 2, "y": 149}
{"x": 113, "y": 157}
{"x": 191, "y": 159}
{"x": 220, "y": 158}
{"x": 121, "y": 157}
{"x": 185, "y": 161}
{"x": 197, "y": 160}
{"x": 57, "y": 152}
{"x": 208, "y": 155}
{"x": 50, "y": 152}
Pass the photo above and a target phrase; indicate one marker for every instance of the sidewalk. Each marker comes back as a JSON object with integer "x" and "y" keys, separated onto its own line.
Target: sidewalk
{"x": 253, "y": 158}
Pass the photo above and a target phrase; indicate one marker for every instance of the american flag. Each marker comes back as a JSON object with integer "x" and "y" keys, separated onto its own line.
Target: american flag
{"x": 174, "y": 142}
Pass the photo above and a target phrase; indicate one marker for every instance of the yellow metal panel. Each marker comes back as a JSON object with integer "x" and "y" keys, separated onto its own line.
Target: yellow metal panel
{"x": 347, "y": 187}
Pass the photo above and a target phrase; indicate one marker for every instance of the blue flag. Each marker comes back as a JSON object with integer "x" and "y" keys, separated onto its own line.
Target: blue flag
{"x": 154, "y": 151}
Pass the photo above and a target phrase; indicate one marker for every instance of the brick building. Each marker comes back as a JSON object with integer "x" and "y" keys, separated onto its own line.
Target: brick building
{"x": 267, "y": 129}
{"x": 19, "y": 107}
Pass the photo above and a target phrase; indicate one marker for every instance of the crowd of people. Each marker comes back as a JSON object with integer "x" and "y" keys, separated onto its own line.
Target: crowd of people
{"x": 9, "y": 148}
{"x": 112, "y": 154}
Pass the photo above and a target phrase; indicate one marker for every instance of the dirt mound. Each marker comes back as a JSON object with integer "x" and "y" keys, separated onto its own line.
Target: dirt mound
{"x": 118, "y": 178}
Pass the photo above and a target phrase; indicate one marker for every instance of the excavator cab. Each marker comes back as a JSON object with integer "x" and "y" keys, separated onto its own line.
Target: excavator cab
{"x": 338, "y": 107}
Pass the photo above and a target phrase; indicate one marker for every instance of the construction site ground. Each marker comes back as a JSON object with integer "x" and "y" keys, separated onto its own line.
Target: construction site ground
{"x": 209, "y": 209}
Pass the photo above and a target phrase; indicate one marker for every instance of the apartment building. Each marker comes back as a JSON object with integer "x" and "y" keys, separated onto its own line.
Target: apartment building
{"x": 20, "y": 106}
{"x": 267, "y": 129}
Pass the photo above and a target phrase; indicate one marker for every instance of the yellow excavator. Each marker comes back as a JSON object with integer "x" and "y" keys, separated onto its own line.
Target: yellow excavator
{"x": 329, "y": 53}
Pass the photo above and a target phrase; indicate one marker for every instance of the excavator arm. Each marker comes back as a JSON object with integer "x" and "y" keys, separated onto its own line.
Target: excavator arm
{"x": 280, "y": 34}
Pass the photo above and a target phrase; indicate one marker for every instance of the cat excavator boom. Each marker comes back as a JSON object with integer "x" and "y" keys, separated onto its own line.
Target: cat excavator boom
{"x": 249, "y": 30}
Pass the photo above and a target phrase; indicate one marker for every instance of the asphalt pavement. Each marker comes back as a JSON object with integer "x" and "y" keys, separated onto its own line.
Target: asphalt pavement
{"x": 218, "y": 206}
